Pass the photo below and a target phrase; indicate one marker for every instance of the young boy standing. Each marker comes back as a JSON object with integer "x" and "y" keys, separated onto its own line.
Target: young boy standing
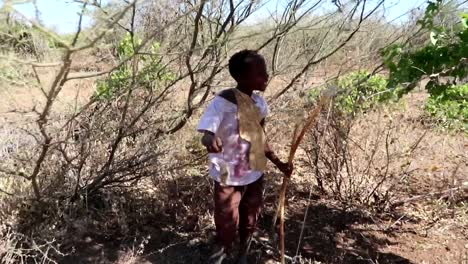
{"x": 233, "y": 126}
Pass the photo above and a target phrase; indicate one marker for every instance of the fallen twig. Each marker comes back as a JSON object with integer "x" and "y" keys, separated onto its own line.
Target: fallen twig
{"x": 442, "y": 194}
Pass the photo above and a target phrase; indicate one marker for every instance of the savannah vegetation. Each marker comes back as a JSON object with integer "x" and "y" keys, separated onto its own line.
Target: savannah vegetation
{"x": 100, "y": 161}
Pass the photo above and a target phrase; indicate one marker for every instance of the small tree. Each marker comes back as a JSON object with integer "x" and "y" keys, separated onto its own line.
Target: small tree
{"x": 443, "y": 59}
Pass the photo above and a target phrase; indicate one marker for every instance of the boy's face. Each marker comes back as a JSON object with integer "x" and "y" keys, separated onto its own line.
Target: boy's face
{"x": 256, "y": 78}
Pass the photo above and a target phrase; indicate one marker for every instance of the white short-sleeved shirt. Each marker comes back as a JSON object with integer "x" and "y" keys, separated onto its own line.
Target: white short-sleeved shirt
{"x": 220, "y": 118}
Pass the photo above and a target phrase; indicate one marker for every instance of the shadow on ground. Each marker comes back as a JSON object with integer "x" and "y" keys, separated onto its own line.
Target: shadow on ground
{"x": 173, "y": 231}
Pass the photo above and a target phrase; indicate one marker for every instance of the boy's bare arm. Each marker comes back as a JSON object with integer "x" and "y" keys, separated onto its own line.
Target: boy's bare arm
{"x": 271, "y": 155}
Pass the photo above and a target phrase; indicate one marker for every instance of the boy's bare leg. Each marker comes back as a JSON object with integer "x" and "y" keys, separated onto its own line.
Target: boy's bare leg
{"x": 249, "y": 210}
{"x": 226, "y": 216}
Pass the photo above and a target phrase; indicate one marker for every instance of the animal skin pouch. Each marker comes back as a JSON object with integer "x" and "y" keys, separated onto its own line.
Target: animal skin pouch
{"x": 251, "y": 130}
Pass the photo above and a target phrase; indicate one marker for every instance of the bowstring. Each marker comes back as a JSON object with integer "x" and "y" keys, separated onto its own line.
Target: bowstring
{"x": 301, "y": 235}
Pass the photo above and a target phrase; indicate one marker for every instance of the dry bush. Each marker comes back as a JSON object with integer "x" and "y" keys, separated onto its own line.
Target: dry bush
{"x": 18, "y": 36}
{"x": 70, "y": 159}
{"x": 16, "y": 248}
{"x": 361, "y": 161}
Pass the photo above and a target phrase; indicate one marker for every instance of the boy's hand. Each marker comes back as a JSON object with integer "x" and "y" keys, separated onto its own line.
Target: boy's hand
{"x": 286, "y": 168}
{"x": 212, "y": 143}
{"x": 216, "y": 145}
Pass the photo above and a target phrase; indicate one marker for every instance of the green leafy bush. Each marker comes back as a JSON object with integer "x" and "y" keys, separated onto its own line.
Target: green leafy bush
{"x": 8, "y": 72}
{"x": 150, "y": 76}
{"x": 359, "y": 91}
{"x": 449, "y": 105}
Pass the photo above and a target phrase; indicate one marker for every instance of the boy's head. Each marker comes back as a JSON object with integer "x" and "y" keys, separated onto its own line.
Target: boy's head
{"x": 248, "y": 68}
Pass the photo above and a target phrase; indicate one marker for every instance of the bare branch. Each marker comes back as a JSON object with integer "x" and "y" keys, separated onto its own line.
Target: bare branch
{"x": 313, "y": 62}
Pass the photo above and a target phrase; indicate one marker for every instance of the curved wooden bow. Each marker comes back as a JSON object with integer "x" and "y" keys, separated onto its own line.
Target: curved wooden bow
{"x": 298, "y": 135}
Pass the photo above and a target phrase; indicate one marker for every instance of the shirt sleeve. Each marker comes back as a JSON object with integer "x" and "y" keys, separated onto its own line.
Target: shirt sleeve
{"x": 212, "y": 117}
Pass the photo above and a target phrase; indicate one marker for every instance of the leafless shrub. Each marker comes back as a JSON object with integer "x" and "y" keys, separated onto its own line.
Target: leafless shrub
{"x": 16, "y": 248}
{"x": 359, "y": 161}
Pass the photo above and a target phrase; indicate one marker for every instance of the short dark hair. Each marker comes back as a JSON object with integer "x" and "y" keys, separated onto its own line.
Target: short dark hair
{"x": 239, "y": 62}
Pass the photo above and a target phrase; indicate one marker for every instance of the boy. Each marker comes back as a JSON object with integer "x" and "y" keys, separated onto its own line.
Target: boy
{"x": 233, "y": 127}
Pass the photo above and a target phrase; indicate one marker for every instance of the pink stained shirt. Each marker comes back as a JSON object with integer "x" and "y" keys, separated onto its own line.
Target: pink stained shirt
{"x": 220, "y": 118}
